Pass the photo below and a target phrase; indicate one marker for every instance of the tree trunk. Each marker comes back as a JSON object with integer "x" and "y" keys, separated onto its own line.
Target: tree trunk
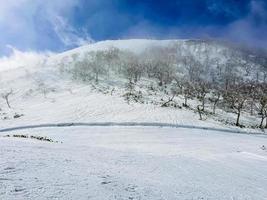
{"x": 160, "y": 79}
{"x": 251, "y": 107}
{"x": 166, "y": 103}
{"x": 226, "y": 85}
{"x": 160, "y": 82}
{"x": 199, "y": 112}
{"x": 238, "y": 117}
{"x": 96, "y": 77}
{"x": 135, "y": 77}
{"x": 185, "y": 100}
{"x": 203, "y": 104}
{"x": 7, "y": 102}
{"x": 214, "y": 107}
{"x": 262, "y": 119}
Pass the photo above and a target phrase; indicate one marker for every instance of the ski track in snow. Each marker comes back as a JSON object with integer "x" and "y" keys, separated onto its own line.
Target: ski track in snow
{"x": 128, "y": 124}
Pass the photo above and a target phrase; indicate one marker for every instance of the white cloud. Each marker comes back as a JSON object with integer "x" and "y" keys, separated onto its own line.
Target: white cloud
{"x": 18, "y": 27}
{"x": 19, "y": 24}
{"x": 22, "y": 59}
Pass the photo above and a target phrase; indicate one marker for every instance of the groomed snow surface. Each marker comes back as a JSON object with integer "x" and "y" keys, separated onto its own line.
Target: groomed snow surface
{"x": 133, "y": 163}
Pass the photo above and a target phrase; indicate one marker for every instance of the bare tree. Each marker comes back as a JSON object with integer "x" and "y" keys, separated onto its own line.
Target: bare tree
{"x": 230, "y": 73}
{"x": 215, "y": 98}
{"x": 6, "y": 96}
{"x": 82, "y": 70}
{"x": 132, "y": 69}
{"x": 252, "y": 88}
{"x": 263, "y": 111}
{"x": 112, "y": 59}
{"x": 91, "y": 67}
{"x": 44, "y": 89}
{"x": 200, "y": 112}
{"x": 187, "y": 91}
{"x": 194, "y": 69}
{"x": 236, "y": 97}
{"x": 262, "y": 103}
{"x": 98, "y": 64}
{"x": 161, "y": 64}
{"x": 202, "y": 89}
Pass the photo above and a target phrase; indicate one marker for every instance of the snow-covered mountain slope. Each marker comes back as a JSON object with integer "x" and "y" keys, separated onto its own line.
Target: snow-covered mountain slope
{"x": 43, "y": 94}
{"x": 68, "y": 102}
{"x": 200, "y": 50}
{"x": 99, "y": 161}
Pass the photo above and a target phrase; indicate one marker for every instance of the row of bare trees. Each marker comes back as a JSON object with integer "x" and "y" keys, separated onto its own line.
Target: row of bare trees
{"x": 249, "y": 97}
{"x": 234, "y": 81}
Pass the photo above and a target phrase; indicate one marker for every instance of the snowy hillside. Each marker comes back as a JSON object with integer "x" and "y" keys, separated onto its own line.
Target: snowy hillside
{"x": 45, "y": 91}
{"x": 200, "y": 50}
{"x": 134, "y": 119}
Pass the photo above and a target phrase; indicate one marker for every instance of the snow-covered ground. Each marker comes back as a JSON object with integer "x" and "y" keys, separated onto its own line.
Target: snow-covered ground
{"x": 133, "y": 163}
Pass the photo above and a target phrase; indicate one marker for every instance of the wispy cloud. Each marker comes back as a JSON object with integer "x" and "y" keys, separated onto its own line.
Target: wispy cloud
{"x": 69, "y": 35}
{"x": 38, "y": 24}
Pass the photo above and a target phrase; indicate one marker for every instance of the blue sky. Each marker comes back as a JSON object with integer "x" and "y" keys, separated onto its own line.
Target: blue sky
{"x": 57, "y": 25}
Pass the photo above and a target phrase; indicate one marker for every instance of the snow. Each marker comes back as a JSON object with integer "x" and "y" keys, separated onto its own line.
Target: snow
{"x": 121, "y": 151}
{"x": 67, "y": 101}
{"x": 135, "y": 45}
{"x": 84, "y": 105}
{"x": 133, "y": 163}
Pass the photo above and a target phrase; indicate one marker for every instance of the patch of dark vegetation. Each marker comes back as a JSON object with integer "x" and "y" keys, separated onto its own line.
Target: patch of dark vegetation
{"x": 17, "y": 115}
{"x": 105, "y": 182}
{"x": 170, "y": 103}
{"x": 40, "y": 138}
{"x": 19, "y": 136}
{"x": 18, "y": 190}
{"x": 9, "y": 168}
{"x": 133, "y": 96}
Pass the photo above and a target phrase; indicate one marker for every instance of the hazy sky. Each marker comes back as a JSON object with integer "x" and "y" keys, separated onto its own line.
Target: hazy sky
{"x": 56, "y": 25}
